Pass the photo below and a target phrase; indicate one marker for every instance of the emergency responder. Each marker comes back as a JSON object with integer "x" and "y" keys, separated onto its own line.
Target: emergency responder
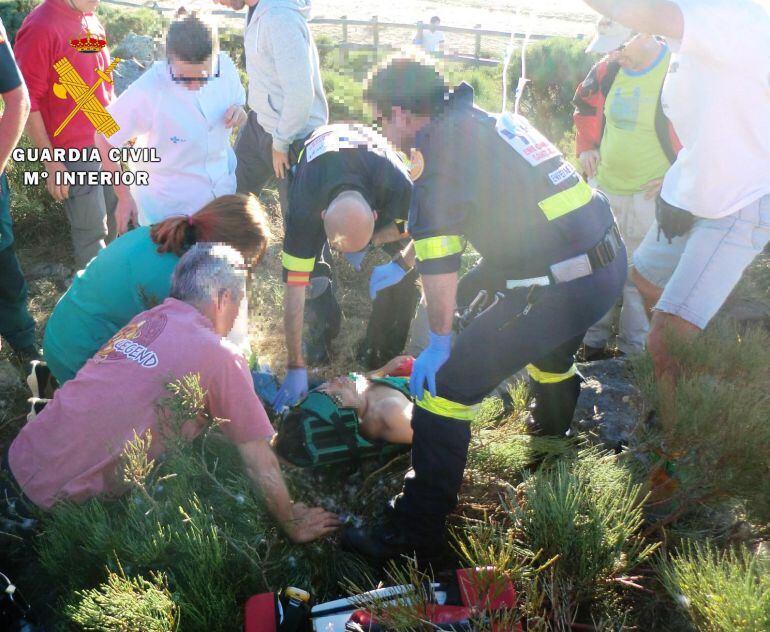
{"x": 350, "y": 189}
{"x": 553, "y": 263}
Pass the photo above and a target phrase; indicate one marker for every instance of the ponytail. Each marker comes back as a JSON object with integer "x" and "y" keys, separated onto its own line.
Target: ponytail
{"x": 236, "y": 220}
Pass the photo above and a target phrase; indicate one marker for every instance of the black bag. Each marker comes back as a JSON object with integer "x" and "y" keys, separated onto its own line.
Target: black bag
{"x": 672, "y": 220}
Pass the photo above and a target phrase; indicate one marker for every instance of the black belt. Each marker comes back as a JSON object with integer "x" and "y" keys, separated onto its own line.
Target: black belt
{"x": 596, "y": 258}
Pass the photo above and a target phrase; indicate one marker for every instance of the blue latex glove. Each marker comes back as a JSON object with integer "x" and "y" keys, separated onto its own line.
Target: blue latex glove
{"x": 428, "y": 363}
{"x": 355, "y": 259}
{"x": 384, "y": 276}
{"x": 293, "y": 388}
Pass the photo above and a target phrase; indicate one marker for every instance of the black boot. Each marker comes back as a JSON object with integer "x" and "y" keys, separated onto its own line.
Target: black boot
{"x": 555, "y": 405}
{"x": 387, "y": 540}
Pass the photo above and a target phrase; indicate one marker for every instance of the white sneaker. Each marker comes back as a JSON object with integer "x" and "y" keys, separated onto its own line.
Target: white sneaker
{"x": 38, "y": 378}
{"x": 36, "y": 406}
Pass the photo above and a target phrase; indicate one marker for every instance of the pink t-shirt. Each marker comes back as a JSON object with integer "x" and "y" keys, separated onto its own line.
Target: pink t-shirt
{"x": 72, "y": 448}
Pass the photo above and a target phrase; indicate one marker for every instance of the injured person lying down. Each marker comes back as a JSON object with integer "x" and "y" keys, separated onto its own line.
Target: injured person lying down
{"x": 380, "y": 399}
{"x": 349, "y": 418}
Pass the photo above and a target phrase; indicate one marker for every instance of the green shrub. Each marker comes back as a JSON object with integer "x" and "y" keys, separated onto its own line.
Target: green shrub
{"x": 720, "y": 436}
{"x": 554, "y": 68}
{"x": 195, "y": 516}
{"x": 13, "y": 12}
{"x": 345, "y": 97}
{"x": 120, "y": 21}
{"x": 585, "y": 515}
{"x": 720, "y": 591}
{"x": 36, "y": 215}
{"x": 123, "y": 604}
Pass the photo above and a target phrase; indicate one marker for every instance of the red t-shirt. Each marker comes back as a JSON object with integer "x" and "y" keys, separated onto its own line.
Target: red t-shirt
{"x": 72, "y": 449}
{"x": 44, "y": 39}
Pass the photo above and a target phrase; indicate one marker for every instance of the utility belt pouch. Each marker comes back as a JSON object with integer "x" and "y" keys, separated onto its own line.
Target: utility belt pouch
{"x": 571, "y": 269}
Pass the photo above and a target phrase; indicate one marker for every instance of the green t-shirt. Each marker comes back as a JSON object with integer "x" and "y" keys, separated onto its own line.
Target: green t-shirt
{"x": 631, "y": 154}
{"x": 123, "y": 280}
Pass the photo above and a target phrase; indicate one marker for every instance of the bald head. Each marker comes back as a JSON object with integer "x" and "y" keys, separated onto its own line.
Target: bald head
{"x": 349, "y": 222}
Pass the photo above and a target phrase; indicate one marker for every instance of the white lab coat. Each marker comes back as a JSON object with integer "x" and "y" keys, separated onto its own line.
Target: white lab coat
{"x": 186, "y": 127}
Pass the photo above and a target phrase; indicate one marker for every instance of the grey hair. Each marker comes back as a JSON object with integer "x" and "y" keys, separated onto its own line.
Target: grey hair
{"x": 205, "y": 270}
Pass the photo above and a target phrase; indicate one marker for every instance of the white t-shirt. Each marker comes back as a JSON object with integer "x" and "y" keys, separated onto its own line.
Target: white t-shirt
{"x": 717, "y": 95}
{"x": 432, "y": 41}
{"x": 186, "y": 127}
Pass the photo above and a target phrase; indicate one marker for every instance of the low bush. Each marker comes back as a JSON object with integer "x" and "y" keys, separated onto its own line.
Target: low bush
{"x": 36, "y": 215}
{"x": 720, "y": 441}
{"x": 195, "y": 517}
{"x": 719, "y": 591}
{"x": 122, "y": 603}
{"x": 120, "y": 21}
{"x": 13, "y": 12}
{"x": 584, "y": 514}
{"x": 555, "y": 67}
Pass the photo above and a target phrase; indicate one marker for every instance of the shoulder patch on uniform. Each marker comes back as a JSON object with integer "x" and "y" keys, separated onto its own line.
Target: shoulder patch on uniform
{"x": 417, "y": 162}
{"x": 322, "y": 144}
{"x": 525, "y": 140}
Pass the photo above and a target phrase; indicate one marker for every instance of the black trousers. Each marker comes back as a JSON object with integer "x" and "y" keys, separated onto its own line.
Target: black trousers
{"x": 389, "y": 322}
{"x": 254, "y": 151}
{"x": 538, "y": 328}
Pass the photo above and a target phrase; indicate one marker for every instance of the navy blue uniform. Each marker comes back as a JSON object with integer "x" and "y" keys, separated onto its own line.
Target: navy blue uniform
{"x": 553, "y": 259}
{"x": 16, "y": 325}
{"x": 340, "y": 158}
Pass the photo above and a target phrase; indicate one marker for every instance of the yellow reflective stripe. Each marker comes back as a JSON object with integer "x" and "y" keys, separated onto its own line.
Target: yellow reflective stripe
{"x": 566, "y": 201}
{"x": 447, "y": 408}
{"x": 295, "y": 264}
{"x": 438, "y": 247}
{"x": 299, "y": 156}
{"x": 543, "y": 377}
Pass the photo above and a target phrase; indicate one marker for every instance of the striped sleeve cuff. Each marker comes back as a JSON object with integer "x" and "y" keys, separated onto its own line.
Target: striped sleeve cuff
{"x": 439, "y": 255}
{"x": 296, "y": 271}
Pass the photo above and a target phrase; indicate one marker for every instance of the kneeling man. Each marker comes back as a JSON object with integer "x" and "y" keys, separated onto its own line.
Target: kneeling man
{"x": 71, "y": 450}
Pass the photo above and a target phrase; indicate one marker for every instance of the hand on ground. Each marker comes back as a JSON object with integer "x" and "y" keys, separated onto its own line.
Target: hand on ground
{"x": 311, "y": 523}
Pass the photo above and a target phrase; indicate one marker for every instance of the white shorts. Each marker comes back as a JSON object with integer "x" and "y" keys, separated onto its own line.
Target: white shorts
{"x": 699, "y": 270}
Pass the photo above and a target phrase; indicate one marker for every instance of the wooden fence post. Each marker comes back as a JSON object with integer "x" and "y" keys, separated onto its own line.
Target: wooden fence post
{"x": 376, "y": 36}
{"x": 477, "y": 48}
{"x": 344, "y": 44}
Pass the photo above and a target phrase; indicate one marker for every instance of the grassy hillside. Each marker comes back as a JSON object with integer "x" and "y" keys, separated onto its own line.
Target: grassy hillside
{"x": 567, "y": 520}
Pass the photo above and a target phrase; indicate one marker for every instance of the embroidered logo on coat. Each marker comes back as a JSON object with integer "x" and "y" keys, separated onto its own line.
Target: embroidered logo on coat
{"x": 417, "y": 165}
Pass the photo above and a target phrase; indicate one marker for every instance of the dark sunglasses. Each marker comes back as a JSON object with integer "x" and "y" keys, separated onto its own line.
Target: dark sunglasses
{"x": 199, "y": 78}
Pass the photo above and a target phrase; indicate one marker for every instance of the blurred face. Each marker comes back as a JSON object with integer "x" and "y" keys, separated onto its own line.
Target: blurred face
{"x": 192, "y": 76}
{"x": 84, "y": 6}
{"x": 346, "y": 392}
{"x": 634, "y": 52}
{"x": 400, "y": 126}
{"x": 222, "y": 312}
